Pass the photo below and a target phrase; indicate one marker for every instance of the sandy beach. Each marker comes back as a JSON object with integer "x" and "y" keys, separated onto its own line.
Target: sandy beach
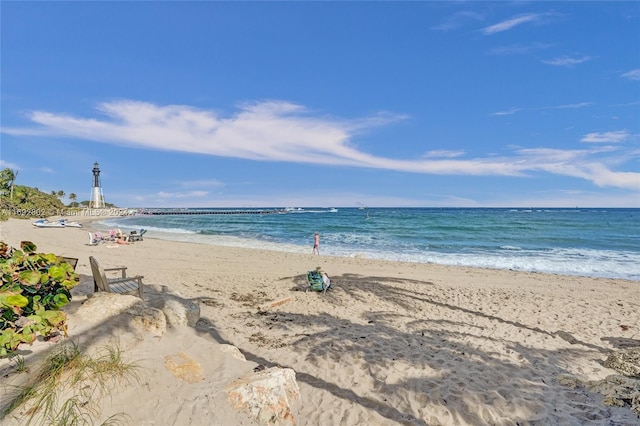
{"x": 391, "y": 344}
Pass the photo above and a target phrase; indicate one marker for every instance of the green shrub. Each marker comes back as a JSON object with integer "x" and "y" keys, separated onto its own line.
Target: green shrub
{"x": 33, "y": 288}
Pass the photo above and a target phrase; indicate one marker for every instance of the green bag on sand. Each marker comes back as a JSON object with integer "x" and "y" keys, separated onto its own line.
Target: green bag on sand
{"x": 315, "y": 280}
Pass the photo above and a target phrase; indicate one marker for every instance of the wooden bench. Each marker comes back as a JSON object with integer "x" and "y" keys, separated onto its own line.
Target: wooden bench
{"x": 120, "y": 285}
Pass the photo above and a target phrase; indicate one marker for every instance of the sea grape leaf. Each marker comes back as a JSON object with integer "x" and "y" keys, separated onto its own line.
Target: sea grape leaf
{"x": 13, "y": 299}
{"x": 55, "y": 318}
{"x": 47, "y": 299}
{"x": 30, "y": 289}
{"x": 69, "y": 284}
{"x": 58, "y": 273}
{"x": 28, "y": 335}
{"x": 9, "y": 339}
{"x": 67, "y": 267}
{"x": 29, "y": 277}
{"x": 60, "y": 300}
{"x": 4, "y": 249}
{"x": 18, "y": 257}
{"x": 28, "y": 246}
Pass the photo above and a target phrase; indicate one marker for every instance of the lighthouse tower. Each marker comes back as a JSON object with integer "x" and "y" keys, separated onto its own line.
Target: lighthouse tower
{"x": 97, "y": 198}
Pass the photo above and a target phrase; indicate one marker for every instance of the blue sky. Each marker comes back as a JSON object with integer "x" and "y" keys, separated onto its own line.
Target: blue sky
{"x": 328, "y": 104}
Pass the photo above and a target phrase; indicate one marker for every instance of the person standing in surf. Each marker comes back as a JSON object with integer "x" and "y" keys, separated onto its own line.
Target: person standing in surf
{"x": 316, "y": 244}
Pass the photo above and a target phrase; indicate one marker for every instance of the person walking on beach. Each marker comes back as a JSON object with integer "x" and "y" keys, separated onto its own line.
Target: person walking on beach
{"x": 316, "y": 244}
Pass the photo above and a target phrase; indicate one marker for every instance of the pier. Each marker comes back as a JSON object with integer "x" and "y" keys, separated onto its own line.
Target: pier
{"x": 203, "y": 212}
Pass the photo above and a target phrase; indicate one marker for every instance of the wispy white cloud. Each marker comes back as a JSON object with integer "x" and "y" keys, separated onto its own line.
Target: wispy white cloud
{"x": 518, "y": 49}
{"x": 286, "y": 132}
{"x": 201, "y": 183}
{"x": 567, "y": 61}
{"x": 606, "y": 137}
{"x": 632, "y": 75}
{"x": 580, "y": 164}
{"x": 511, "y": 23}
{"x": 564, "y": 106}
{"x": 7, "y": 165}
{"x": 443, "y": 153}
{"x": 187, "y": 194}
{"x": 563, "y": 198}
{"x": 634, "y": 103}
{"x": 457, "y": 20}
{"x": 571, "y": 106}
{"x": 507, "y": 112}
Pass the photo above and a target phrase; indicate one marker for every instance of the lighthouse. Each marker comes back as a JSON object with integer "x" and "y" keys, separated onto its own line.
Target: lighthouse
{"x": 97, "y": 198}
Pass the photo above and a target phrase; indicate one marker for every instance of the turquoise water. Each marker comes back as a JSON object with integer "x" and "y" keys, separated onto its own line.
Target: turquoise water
{"x": 586, "y": 242}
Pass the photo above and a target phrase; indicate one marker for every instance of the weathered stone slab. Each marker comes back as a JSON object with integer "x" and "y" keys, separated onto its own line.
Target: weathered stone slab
{"x": 101, "y": 306}
{"x": 266, "y": 395}
{"x": 180, "y": 311}
{"x": 148, "y": 319}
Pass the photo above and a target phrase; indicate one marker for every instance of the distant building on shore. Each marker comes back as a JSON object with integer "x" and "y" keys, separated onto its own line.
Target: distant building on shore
{"x": 97, "y": 197}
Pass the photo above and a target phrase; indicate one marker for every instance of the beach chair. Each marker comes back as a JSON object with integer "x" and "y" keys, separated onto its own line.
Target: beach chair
{"x": 135, "y": 236}
{"x": 92, "y": 240}
{"x": 317, "y": 282}
{"x": 120, "y": 285}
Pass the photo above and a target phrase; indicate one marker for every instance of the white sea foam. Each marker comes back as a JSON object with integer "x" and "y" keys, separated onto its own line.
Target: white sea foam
{"x": 594, "y": 263}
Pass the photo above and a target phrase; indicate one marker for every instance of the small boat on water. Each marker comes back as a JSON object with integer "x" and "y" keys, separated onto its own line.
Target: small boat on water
{"x": 62, "y": 223}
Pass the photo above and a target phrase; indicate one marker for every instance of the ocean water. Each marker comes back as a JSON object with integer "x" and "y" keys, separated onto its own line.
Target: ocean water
{"x": 587, "y": 242}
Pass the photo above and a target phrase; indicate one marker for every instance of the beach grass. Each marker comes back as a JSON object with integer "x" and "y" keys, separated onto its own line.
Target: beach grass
{"x": 70, "y": 384}
{"x": 20, "y": 364}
